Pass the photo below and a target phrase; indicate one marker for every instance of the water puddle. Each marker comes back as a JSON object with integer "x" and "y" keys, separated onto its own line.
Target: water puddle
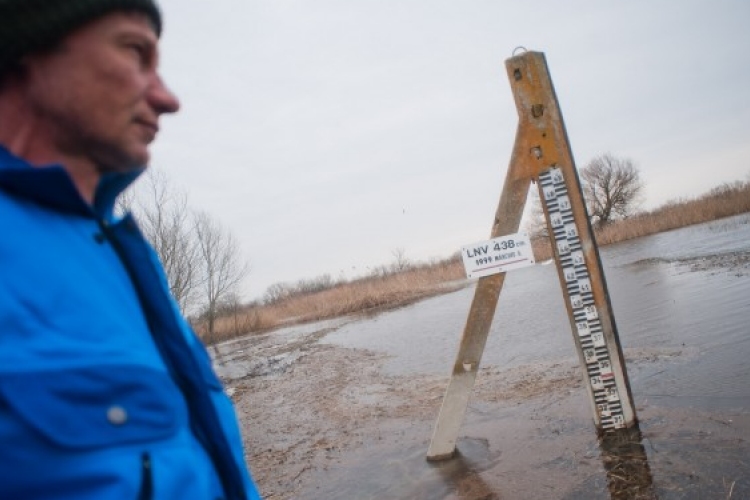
{"x": 387, "y": 473}
{"x": 271, "y": 353}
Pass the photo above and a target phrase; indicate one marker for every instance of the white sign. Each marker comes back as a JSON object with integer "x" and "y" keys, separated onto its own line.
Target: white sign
{"x": 497, "y": 255}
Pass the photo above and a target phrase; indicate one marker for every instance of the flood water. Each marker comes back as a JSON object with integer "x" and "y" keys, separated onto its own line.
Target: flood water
{"x": 681, "y": 301}
{"x": 660, "y": 304}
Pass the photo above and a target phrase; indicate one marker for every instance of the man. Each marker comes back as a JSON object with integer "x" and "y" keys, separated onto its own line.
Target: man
{"x": 105, "y": 393}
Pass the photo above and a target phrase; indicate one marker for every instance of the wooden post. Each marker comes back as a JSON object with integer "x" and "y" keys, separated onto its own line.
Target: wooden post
{"x": 541, "y": 153}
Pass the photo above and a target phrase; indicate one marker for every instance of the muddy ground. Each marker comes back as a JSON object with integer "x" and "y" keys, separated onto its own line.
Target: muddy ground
{"x": 322, "y": 421}
{"x": 330, "y": 425}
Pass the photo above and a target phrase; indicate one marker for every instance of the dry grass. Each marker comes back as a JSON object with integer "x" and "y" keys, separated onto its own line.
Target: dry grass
{"x": 364, "y": 295}
{"x": 723, "y": 201}
{"x": 388, "y": 288}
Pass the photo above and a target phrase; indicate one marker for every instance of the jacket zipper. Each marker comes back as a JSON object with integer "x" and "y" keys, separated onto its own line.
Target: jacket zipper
{"x": 147, "y": 480}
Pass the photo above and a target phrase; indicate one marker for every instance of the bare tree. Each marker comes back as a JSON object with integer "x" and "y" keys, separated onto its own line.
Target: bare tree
{"x": 277, "y": 292}
{"x": 201, "y": 259}
{"x": 612, "y": 187}
{"x": 243, "y": 317}
{"x": 164, "y": 217}
{"x": 536, "y": 224}
{"x": 223, "y": 269}
{"x": 400, "y": 261}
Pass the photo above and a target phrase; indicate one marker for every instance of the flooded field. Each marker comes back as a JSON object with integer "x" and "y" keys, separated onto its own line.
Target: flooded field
{"x": 345, "y": 408}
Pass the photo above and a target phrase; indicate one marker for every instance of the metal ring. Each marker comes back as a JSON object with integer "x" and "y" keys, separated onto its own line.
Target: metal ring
{"x": 520, "y": 47}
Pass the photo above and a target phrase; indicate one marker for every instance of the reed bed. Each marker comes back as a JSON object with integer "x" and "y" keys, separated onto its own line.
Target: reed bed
{"x": 392, "y": 287}
{"x": 379, "y": 291}
{"x": 723, "y": 201}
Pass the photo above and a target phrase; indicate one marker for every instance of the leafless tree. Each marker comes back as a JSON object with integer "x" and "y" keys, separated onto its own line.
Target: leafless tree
{"x": 401, "y": 262}
{"x": 243, "y": 316}
{"x": 223, "y": 267}
{"x": 612, "y": 187}
{"x": 163, "y": 215}
{"x": 277, "y": 292}
{"x": 536, "y": 224}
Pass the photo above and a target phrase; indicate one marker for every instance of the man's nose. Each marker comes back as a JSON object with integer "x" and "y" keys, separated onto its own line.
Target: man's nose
{"x": 161, "y": 98}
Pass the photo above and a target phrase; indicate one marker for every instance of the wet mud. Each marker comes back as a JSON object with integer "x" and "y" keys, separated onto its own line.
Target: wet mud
{"x": 332, "y": 425}
{"x": 737, "y": 263}
{"x": 345, "y": 409}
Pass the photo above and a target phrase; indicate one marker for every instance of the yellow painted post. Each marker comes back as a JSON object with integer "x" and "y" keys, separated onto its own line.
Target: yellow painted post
{"x": 541, "y": 153}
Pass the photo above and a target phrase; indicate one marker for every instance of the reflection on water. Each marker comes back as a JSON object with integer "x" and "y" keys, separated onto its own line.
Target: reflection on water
{"x": 405, "y": 474}
{"x": 626, "y": 463}
{"x": 461, "y": 475}
{"x": 622, "y": 455}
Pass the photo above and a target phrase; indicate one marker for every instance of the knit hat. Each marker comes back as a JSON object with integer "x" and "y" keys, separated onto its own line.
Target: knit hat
{"x": 30, "y": 25}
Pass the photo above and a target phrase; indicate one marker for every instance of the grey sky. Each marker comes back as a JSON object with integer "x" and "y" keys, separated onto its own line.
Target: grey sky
{"x": 327, "y": 134}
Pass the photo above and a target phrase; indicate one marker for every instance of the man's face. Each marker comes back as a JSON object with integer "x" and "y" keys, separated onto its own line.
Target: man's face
{"x": 98, "y": 95}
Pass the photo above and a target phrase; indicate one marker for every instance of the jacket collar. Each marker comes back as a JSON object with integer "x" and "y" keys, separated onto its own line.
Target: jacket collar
{"x": 51, "y": 186}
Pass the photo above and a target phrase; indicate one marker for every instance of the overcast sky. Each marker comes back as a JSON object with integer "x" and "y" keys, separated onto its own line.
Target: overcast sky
{"x": 326, "y": 134}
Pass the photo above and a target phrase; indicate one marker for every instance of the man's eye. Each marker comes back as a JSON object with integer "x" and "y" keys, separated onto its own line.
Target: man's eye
{"x": 142, "y": 53}
{"x": 138, "y": 49}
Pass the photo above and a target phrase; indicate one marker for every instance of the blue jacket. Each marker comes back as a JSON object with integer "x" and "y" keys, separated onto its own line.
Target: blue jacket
{"x": 105, "y": 392}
